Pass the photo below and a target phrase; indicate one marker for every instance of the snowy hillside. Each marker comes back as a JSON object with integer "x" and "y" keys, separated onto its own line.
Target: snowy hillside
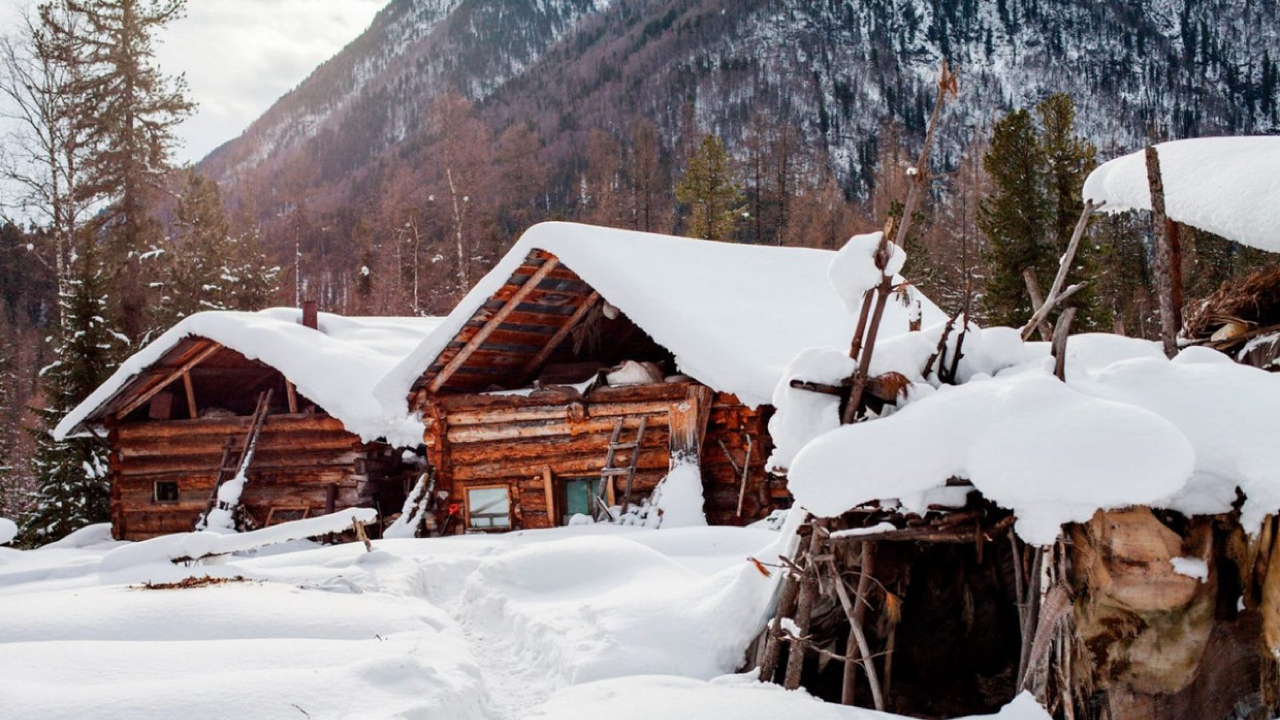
{"x": 838, "y": 71}
{"x": 583, "y": 622}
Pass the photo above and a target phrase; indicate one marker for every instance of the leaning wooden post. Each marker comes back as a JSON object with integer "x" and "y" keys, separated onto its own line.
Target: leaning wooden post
{"x": 947, "y": 83}
{"x": 1167, "y": 255}
{"x": 804, "y": 610}
{"x": 852, "y": 649}
{"x": 1059, "y": 346}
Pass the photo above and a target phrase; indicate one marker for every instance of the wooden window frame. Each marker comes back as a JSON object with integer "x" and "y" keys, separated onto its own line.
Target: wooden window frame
{"x": 155, "y": 492}
{"x": 466, "y": 507}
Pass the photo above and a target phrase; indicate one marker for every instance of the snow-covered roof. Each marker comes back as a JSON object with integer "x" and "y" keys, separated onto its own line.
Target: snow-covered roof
{"x": 1129, "y": 427}
{"x": 1226, "y": 185}
{"x": 732, "y": 315}
{"x": 336, "y": 368}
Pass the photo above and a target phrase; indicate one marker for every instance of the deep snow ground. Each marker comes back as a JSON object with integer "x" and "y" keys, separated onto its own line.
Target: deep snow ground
{"x": 584, "y": 622}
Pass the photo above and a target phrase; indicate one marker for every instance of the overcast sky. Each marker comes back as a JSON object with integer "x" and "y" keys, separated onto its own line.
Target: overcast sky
{"x": 239, "y": 56}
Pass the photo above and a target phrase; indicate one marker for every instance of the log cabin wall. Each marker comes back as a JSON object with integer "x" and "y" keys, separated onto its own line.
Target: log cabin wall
{"x": 519, "y": 442}
{"x": 299, "y": 458}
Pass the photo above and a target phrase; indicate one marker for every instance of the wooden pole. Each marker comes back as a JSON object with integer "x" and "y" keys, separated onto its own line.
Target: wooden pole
{"x": 773, "y": 643}
{"x": 852, "y": 648}
{"x": 192, "y": 410}
{"x": 855, "y": 627}
{"x": 1060, "y": 343}
{"x": 1165, "y": 254}
{"x": 804, "y": 609}
{"x": 1037, "y": 302}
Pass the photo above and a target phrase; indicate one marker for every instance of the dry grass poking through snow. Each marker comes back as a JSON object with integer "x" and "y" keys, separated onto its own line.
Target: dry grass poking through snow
{"x": 192, "y": 582}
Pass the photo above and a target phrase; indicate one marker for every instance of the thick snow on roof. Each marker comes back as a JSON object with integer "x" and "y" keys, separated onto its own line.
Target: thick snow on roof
{"x": 1129, "y": 427}
{"x": 336, "y": 367}
{"x": 733, "y": 315}
{"x": 1226, "y": 185}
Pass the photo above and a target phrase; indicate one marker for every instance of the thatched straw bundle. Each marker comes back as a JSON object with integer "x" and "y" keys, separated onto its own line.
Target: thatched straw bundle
{"x": 1250, "y": 304}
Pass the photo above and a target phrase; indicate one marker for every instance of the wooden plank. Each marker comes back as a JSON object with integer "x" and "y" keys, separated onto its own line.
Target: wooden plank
{"x": 443, "y": 376}
{"x": 181, "y": 370}
{"x": 192, "y": 411}
{"x": 291, "y": 395}
{"x": 560, "y": 335}
{"x": 548, "y": 487}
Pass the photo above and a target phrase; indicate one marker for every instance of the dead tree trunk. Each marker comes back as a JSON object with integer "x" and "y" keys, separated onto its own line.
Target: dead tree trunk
{"x": 1168, "y": 256}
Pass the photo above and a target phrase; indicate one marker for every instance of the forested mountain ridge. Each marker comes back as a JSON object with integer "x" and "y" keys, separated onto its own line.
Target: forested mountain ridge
{"x": 837, "y": 69}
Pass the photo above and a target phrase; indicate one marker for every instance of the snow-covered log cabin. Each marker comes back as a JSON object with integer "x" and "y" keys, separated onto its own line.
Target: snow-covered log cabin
{"x": 592, "y": 361}
{"x": 179, "y": 417}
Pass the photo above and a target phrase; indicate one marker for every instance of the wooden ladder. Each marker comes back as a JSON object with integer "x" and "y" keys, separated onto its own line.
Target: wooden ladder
{"x": 609, "y": 472}
{"x": 237, "y": 460}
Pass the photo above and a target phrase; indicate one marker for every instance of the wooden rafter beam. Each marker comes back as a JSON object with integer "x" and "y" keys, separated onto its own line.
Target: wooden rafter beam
{"x": 478, "y": 339}
{"x": 168, "y": 379}
{"x": 560, "y": 335}
{"x": 192, "y": 411}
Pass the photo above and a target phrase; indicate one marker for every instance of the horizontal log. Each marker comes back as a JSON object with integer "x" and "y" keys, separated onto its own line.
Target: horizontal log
{"x": 551, "y": 446}
{"x": 548, "y": 428}
{"x": 558, "y": 409}
{"x": 650, "y": 463}
{"x": 225, "y": 426}
{"x": 212, "y": 446}
{"x": 266, "y": 458}
{"x": 658, "y": 392}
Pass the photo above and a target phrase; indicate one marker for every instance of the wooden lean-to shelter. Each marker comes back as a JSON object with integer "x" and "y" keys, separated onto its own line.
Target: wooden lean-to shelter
{"x": 282, "y": 395}
{"x": 591, "y": 362}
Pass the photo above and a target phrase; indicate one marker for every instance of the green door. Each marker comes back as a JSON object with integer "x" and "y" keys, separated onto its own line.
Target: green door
{"x": 578, "y": 495}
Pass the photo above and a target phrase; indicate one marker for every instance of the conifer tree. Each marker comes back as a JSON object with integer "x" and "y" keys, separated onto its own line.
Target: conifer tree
{"x": 1013, "y": 218}
{"x": 196, "y": 254}
{"x": 709, "y": 189}
{"x": 1068, "y": 160}
{"x": 1036, "y": 172}
{"x": 72, "y": 486}
{"x": 127, "y": 110}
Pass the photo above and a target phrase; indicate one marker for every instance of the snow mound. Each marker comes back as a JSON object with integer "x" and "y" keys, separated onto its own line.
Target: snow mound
{"x": 8, "y": 531}
{"x": 336, "y": 367}
{"x": 1129, "y": 427}
{"x": 168, "y": 548}
{"x": 678, "y": 498}
{"x": 1020, "y": 442}
{"x": 741, "y": 697}
{"x": 1226, "y": 185}
{"x": 853, "y": 270}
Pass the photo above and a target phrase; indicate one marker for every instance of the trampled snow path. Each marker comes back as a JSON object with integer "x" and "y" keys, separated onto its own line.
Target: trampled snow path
{"x": 571, "y": 624}
{"x": 512, "y": 684}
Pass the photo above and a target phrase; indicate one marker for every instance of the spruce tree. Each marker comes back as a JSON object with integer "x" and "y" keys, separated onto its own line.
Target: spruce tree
{"x": 709, "y": 189}
{"x": 72, "y": 488}
{"x": 1068, "y": 160}
{"x": 1013, "y": 218}
{"x": 1036, "y": 171}
{"x": 127, "y": 111}
{"x": 198, "y": 250}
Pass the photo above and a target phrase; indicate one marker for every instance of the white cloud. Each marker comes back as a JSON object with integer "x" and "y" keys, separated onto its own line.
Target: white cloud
{"x": 239, "y": 56}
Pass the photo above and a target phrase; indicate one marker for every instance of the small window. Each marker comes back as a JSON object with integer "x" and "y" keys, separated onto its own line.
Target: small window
{"x": 489, "y": 508}
{"x": 166, "y": 491}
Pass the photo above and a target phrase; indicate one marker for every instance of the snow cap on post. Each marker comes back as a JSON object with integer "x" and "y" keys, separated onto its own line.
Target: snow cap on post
{"x": 1226, "y": 185}
{"x": 853, "y": 270}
